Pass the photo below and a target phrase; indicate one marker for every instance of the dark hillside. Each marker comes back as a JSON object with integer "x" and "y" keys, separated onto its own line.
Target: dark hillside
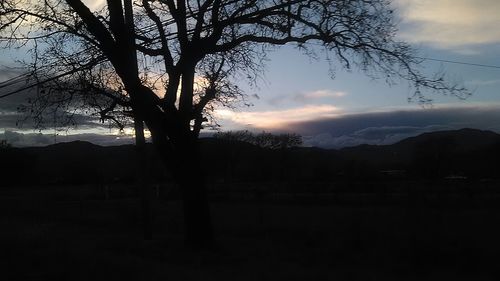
{"x": 467, "y": 153}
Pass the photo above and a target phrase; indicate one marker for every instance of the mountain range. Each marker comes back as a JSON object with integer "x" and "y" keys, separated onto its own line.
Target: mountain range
{"x": 468, "y": 153}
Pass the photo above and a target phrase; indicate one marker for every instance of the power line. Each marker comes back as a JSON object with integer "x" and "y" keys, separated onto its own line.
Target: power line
{"x": 440, "y": 60}
{"x": 461, "y": 62}
{"x": 14, "y": 80}
{"x": 89, "y": 65}
{"x": 23, "y": 77}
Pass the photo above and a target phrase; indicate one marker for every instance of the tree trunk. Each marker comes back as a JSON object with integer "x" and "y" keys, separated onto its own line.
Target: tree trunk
{"x": 142, "y": 180}
{"x": 191, "y": 178}
{"x": 179, "y": 149}
{"x": 182, "y": 157}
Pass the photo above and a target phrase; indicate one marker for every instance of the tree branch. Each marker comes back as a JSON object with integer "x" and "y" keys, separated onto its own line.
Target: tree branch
{"x": 164, "y": 51}
{"x": 96, "y": 28}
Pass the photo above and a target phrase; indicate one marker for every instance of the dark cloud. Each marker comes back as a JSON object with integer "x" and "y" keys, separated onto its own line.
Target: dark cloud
{"x": 15, "y": 121}
{"x": 373, "y": 135}
{"x": 23, "y": 139}
{"x": 389, "y": 134}
{"x": 19, "y": 139}
{"x": 9, "y": 73}
{"x": 11, "y": 103}
{"x": 390, "y": 127}
{"x": 13, "y": 117}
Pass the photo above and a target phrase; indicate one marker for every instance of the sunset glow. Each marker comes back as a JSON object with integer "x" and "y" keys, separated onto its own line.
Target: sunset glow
{"x": 278, "y": 119}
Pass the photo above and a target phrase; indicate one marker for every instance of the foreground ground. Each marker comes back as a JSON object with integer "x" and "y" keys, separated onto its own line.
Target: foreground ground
{"x": 74, "y": 233}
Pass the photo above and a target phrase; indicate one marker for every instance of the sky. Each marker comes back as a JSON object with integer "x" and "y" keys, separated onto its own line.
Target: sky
{"x": 297, "y": 93}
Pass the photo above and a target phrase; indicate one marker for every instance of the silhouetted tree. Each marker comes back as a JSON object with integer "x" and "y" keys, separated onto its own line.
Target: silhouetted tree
{"x": 263, "y": 139}
{"x": 268, "y": 140}
{"x": 4, "y": 144}
{"x": 155, "y": 49}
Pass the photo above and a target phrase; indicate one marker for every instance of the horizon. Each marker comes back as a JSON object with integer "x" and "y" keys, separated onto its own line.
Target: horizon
{"x": 103, "y": 140}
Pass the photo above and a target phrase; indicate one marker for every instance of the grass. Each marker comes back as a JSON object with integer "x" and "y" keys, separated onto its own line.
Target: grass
{"x": 71, "y": 233}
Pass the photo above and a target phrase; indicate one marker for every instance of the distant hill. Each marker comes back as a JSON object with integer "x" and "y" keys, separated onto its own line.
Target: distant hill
{"x": 463, "y": 139}
{"x": 468, "y": 152}
{"x": 456, "y": 151}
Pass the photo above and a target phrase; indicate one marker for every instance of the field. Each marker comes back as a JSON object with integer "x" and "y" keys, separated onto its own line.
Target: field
{"x": 86, "y": 233}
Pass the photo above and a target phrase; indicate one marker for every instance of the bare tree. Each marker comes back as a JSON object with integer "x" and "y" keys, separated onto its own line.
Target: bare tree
{"x": 235, "y": 136}
{"x": 156, "y": 48}
{"x": 281, "y": 141}
{"x": 263, "y": 139}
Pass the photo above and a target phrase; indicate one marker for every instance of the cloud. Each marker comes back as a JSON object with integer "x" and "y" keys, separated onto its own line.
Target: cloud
{"x": 450, "y": 24}
{"x": 475, "y": 116}
{"x": 307, "y": 97}
{"x": 319, "y": 94}
{"x": 331, "y": 129}
{"x": 277, "y": 118}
